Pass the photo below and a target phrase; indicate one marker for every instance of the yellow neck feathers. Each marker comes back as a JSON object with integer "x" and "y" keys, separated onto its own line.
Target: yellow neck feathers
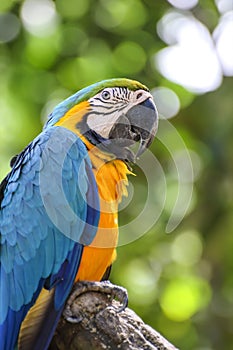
{"x": 111, "y": 174}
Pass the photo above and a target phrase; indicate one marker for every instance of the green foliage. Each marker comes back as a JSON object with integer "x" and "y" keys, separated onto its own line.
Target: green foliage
{"x": 180, "y": 283}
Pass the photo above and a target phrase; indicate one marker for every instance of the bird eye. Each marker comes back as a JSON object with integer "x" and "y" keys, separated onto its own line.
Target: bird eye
{"x": 106, "y": 95}
{"x": 139, "y": 95}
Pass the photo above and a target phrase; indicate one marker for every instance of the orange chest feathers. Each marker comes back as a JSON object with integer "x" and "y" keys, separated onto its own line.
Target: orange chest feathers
{"x": 111, "y": 179}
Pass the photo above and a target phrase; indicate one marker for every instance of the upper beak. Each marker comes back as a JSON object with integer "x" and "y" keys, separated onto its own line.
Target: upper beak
{"x": 138, "y": 124}
{"x": 143, "y": 119}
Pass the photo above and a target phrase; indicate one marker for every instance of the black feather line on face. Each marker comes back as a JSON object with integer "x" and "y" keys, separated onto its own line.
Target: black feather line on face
{"x": 118, "y": 148}
{"x": 110, "y": 146}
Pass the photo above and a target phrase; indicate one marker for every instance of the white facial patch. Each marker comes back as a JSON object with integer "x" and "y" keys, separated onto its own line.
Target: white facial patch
{"x": 102, "y": 124}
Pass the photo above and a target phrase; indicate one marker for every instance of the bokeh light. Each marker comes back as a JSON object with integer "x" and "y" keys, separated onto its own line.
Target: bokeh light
{"x": 187, "y": 248}
{"x": 9, "y": 27}
{"x": 72, "y": 10}
{"x": 41, "y": 52}
{"x": 223, "y": 35}
{"x": 142, "y": 288}
{"x": 124, "y": 15}
{"x": 191, "y": 59}
{"x": 5, "y": 5}
{"x": 224, "y": 5}
{"x": 183, "y": 4}
{"x": 129, "y": 57}
{"x": 185, "y": 296}
{"x": 167, "y": 102}
{"x": 179, "y": 161}
{"x": 74, "y": 41}
{"x": 39, "y": 17}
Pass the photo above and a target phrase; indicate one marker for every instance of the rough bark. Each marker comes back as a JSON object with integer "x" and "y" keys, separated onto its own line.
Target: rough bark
{"x": 102, "y": 324}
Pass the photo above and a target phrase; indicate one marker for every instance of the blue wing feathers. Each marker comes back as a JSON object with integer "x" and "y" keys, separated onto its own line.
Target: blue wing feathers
{"x": 41, "y": 234}
{"x": 10, "y": 327}
{"x": 4, "y": 294}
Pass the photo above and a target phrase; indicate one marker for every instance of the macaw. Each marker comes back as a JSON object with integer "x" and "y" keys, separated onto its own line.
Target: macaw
{"x": 58, "y": 205}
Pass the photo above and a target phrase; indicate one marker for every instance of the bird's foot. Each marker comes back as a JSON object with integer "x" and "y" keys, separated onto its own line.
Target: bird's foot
{"x": 113, "y": 291}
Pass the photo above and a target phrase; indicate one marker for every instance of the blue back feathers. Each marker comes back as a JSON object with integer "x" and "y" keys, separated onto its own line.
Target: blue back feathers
{"x": 47, "y": 202}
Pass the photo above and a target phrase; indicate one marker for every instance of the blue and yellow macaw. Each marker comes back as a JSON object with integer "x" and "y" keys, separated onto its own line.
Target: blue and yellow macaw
{"x": 58, "y": 205}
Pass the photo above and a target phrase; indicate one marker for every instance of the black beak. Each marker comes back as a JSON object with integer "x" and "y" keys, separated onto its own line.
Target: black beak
{"x": 144, "y": 122}
{"x": 139, "y": 124}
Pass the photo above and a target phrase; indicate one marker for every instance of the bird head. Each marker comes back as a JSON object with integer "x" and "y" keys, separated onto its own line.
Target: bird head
{"x": 112, "y": 115}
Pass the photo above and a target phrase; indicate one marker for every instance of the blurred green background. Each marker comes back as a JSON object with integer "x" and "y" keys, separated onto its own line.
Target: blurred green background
{"x": 180, "y": 283}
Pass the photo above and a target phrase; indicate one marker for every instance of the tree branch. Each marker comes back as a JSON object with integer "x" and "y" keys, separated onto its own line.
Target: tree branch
{"x": 101, "y": 324}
